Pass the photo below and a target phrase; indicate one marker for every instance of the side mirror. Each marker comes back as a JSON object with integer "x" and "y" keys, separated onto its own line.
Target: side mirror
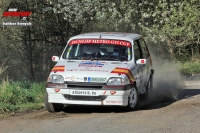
{"x": 141, "y": 61}
{"x": 55, "y": 58}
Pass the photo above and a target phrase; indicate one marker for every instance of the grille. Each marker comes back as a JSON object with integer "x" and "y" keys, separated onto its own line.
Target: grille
{"x": 85, "y": 85}
{"x": 85, "y": 98}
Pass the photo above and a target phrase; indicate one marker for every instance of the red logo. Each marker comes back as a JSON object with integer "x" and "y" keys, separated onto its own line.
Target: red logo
{"x": 17, "y": 14}
{"x": 12, "y": 12}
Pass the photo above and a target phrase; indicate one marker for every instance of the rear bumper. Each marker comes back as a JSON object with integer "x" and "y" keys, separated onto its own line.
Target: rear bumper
{"x": 110, "y": 97}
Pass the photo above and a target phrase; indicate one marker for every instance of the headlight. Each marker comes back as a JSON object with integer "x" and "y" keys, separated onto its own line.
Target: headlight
{"x": 56, "y": 79}
{"x": 116, "y": 81}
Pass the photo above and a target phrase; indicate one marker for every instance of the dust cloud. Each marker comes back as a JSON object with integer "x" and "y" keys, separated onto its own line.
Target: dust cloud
{"x": 167, "y": 81}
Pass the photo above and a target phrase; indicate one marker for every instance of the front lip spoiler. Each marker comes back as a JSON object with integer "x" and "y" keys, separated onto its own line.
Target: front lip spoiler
{"x": 53, "y": 85}
{"x": 85, "y": 98}
{"x": 115, "y": 87}
{"x": 89, "y": 87}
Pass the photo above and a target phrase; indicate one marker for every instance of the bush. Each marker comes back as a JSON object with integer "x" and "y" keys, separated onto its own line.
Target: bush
{"x": 191, "y": 67}
{"x": 16, "y": 96}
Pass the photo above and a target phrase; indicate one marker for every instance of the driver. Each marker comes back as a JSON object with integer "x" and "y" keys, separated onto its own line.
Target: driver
{"x": 90, "y": 51}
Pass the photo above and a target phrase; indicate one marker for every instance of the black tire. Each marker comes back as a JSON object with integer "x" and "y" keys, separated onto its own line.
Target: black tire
{"x": 52, "y": 107}
{"x": 149, "y": 88}
{"x": 132, "y": 100}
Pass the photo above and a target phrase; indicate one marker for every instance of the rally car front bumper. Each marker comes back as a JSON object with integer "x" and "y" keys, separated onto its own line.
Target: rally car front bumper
{"x": 107, "y": 95}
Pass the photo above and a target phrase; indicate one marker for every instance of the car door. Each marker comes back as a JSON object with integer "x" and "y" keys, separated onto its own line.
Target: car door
{"x": 145, "y": 55}
{"x": 139, "y": 68}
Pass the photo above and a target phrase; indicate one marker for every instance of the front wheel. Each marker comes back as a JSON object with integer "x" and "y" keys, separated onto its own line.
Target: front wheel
{"x": 52, "y": 107}
{"x": 149, "y": 88}
{"x": 132, "y": 100}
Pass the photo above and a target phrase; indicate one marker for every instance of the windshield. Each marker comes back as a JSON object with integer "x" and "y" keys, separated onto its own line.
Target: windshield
{"x": 116, "y": 50}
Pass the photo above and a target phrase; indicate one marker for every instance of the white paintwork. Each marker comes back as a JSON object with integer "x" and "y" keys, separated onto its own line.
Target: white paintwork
{"x": 141, "y": 61}
{"x": 74, "y": 72}
{"x": 119, "y": 98}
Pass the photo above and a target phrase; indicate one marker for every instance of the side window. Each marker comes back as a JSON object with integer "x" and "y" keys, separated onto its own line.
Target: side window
{"x": 137, "y": 51}
{"x": 144, "y": 48}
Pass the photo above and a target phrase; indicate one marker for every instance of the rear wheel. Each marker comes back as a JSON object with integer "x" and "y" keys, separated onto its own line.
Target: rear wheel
{"x": 149, "y": 88}
{"x": 52, "y": 107}
{"x": 132, "y": 100}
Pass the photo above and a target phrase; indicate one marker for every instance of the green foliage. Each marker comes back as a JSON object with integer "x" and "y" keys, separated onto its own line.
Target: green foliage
{"x": 190, "y": 67}
{"x": 21, "y": 95}
{"x": 177, "y": 23}
{"x": 174, "y": 22}
{"x": 121, "y": 15}
{"x": 173, "y": 26}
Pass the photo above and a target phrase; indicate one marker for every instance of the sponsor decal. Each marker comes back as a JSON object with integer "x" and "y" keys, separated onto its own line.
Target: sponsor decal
{"x": 73, "y": 78}
{"x": 71, "y": 69}
{"x": 125, "y": 71}
{"x": 57, "y": 90}
{"x": 58, "y": 69}
{"x": 85, "y": 78}
{"x": 90, "y": 64}
{"x": 93, "y": 70}
{"x": 68, "y": 78}
{"x": 96, "y": 79}
{"x": 112, "y": 92}
{"x": 88, "y": 70}
{"x": 100, "y": 41}
{"x": 113, "y": 102}
{"x": 104, "y": 92}
{"x": 79, "y": 78}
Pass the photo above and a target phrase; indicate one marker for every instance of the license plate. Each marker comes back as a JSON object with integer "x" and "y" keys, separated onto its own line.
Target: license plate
{"x": 84, "y": 92}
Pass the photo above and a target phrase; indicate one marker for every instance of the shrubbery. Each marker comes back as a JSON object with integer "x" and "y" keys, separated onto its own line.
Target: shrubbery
{"x": 16, "y": 96}
{"x": 190, "y": 67}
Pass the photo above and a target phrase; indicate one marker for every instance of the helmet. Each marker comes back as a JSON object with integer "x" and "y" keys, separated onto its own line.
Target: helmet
{"x": 90, "y": 49}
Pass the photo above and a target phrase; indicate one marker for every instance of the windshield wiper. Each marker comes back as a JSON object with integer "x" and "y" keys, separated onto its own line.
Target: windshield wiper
{"x": 121, "y": 59}
{"x": 102, "y": 59}
{"x": 95, "y": 59}
{"x": 73, "y": 58}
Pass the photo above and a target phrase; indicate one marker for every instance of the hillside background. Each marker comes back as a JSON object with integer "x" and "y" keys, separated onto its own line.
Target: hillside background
{"x": 171, "y": 27}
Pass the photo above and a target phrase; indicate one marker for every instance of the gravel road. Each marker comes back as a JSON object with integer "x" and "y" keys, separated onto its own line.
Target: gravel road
{"x": 168, "y": 112}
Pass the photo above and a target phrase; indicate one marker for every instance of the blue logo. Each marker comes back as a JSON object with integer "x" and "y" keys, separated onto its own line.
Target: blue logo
{"x": 90, "y": 64}
{"x": 89, "y": 79}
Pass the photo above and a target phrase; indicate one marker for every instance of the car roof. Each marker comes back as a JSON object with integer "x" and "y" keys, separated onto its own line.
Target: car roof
{"x": 107, "y": 35}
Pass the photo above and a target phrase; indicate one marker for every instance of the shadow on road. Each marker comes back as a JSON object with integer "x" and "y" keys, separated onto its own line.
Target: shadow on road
{"x": 168, "y": 98}
{"x": 91, "y": 109}
{"x": 159, "y": 101}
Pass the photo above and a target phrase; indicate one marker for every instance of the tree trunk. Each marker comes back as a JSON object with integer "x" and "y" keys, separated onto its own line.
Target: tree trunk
{"x": 171, "y": 50}
{"x": 30, "y": 49}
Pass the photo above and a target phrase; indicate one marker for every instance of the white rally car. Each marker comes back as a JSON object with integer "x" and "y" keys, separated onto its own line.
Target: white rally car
{"x": 100, "y": 69}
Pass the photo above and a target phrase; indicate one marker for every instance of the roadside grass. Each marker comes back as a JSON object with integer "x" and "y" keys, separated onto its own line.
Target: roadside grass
{"x": 190, "y": 67}
{"x": 18, "y": 96}
{"x": 27, "y": 96}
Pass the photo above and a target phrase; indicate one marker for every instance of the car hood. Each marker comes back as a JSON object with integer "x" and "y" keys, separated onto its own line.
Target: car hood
{"x": 82, "y": 71}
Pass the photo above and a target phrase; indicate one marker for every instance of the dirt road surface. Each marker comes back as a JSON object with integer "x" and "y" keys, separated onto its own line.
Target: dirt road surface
{"x": 161, "y": 115}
